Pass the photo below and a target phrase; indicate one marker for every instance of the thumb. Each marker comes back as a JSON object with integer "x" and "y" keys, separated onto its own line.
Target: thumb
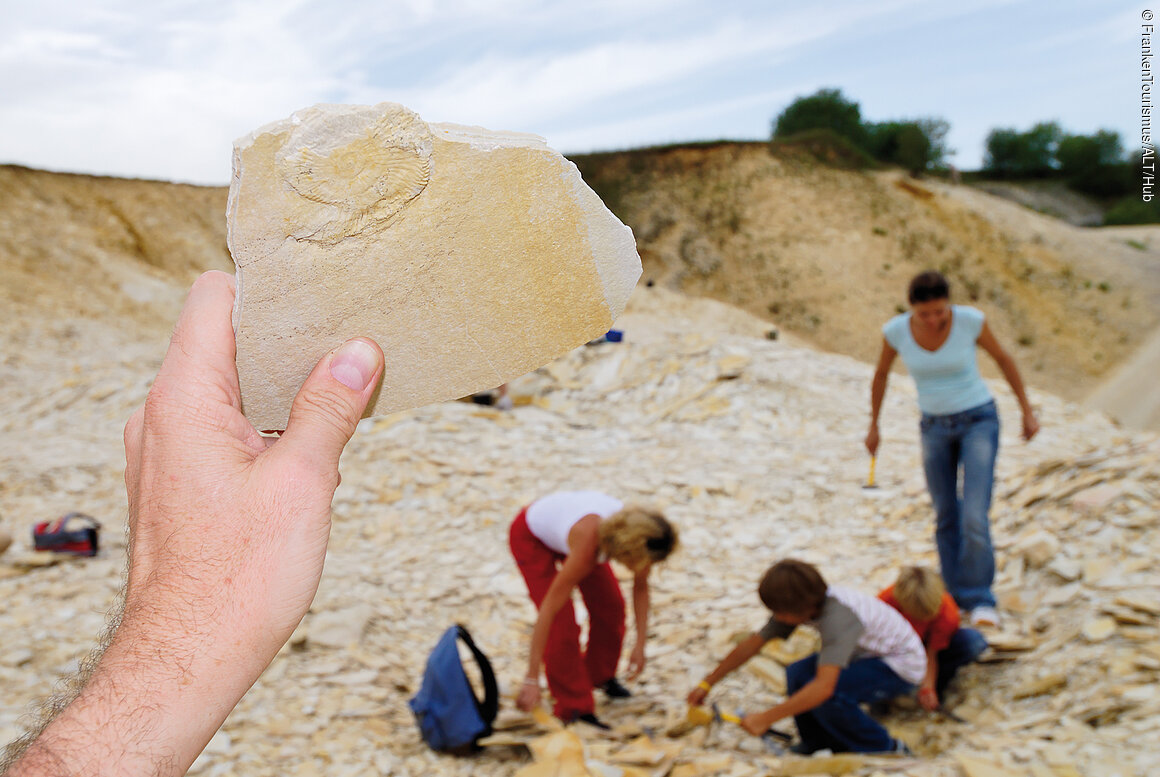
{"x": 331, "y": 401}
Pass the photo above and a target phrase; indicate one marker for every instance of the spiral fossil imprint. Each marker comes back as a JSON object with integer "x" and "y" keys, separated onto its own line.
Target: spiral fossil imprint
{"x": 363, "y": 181}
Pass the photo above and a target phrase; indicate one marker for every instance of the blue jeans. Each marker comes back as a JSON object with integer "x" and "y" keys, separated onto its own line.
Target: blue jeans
{"x": 965, "y": 646}
{"x": 839, "y": 722}
{"x": 968, "y": 440}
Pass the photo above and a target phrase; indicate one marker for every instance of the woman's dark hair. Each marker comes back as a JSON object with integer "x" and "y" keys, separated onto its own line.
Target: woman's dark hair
{"x": 794, "y": 587}
{"x": 927, "y": 286}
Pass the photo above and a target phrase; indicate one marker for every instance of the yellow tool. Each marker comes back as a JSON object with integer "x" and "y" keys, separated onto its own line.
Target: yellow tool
{"x": 699, "y": 716}
{"x": 870, "y": 480}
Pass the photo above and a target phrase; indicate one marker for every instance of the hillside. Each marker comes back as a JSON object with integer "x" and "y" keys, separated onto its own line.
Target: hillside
{"x": 751, "y": 446}
{"x": 105, "y": 248}
{"x": 826, "y": 253}
{"x": 822, "y": 253}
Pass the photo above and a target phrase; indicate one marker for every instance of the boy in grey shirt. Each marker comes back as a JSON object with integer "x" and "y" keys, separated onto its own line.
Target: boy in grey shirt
{"x": 869, "y": 653}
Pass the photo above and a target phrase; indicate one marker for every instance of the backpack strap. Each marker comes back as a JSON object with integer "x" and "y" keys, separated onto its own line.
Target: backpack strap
{"x": 489, "y": 707}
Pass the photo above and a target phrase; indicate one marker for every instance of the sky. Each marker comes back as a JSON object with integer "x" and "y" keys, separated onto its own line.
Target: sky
{"x": 161, "y": 88}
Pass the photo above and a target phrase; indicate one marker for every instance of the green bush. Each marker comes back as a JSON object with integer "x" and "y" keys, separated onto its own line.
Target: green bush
{"x": 1094, "y": 164}
{"x": 1133, "y": 210}
{"x": 825, "y": 146}
{"x": 826, "y": 109}
{"x": 1014, "y": 154}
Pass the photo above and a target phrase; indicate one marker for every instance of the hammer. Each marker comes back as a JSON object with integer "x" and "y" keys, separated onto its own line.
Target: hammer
{"x": 774, "y": 740}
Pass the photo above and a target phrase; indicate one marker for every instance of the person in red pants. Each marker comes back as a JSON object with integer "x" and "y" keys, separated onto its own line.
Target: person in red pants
{"x": 565, "y": 541}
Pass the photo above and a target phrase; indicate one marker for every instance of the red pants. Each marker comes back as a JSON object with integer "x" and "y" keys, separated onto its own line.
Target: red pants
{"x": 572, "y": 673}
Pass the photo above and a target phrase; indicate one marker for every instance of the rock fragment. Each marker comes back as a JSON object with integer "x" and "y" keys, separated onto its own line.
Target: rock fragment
{"x": 472, "y": 257}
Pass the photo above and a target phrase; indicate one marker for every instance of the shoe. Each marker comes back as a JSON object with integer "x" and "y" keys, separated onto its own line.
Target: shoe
{"x": 900, "y": 748}
{"x": 614, "y": 690}
{"x": 985, "y": 616}
{"x": 589, "y": 718}
{"x": 803, "y": 748}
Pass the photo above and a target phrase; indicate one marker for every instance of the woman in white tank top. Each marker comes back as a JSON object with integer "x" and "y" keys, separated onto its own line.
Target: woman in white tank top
{"x": 564, "y": 541}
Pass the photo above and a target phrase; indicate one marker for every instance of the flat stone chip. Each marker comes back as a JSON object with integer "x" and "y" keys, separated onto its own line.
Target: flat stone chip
{"x": 472, "y": 257}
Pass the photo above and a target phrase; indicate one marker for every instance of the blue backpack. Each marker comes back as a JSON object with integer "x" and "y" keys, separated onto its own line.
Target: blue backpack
{"x": 451, "y": 717}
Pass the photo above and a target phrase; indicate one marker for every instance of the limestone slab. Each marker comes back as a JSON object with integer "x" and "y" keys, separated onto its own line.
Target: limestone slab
{"x": 472, "y": 257}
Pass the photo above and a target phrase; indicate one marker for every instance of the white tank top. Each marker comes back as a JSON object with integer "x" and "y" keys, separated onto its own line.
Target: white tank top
{"x": 550, "y": 518}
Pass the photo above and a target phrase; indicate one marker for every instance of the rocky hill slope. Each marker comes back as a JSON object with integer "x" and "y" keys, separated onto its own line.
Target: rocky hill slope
{"x": 827, "y": 253}
{"x": 751, "y": 446}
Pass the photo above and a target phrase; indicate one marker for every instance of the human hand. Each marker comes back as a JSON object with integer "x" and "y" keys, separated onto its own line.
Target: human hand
{"x": 756, "y": 723}
{"x": 697, "y": 696}
{"x": 636, "y": 661}
{"x": 529, "y": 697}
{"x": 228, "y": 532}
{"x": 1030, "y": 424}
{"x": 229, "y": 529}
{"x": 871, "y": 441}
{"x": 927, "y": 698}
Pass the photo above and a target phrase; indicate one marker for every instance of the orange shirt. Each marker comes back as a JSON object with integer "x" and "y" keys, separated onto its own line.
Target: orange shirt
{"x": 937, "y": 631}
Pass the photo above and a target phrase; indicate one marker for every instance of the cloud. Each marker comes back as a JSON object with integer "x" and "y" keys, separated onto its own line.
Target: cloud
{"x": 162, "y": 89}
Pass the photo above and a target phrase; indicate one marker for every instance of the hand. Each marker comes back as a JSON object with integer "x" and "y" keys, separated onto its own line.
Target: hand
{"x": 756, "y": 723}
{"x": 927, "y": 698}
{"x": 1030, "y": 425}
{"x": 872, "y": 440}
{"x": 229, "y": 529}
{"x": 636, "y": 661}
{"x": 697, "y": 696}
{"x": 529, "y": 697}
{"x": 228, "y": 532}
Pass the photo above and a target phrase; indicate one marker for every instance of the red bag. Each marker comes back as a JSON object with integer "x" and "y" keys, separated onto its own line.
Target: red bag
{"x": 75, "y": 533}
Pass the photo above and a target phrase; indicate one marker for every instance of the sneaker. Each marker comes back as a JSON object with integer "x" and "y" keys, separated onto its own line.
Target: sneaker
{"x": 900, "y": 748}
{"x": 591, "y": 719}
{"x": 801, "y": 747}
{"x": 614, "y": 689}
{"x": 985, "y": 616}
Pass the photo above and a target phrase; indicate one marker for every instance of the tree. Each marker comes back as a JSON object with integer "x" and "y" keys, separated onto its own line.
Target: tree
{"x": 1013, "y": 154}
{"x": 825, "y": 109}
{"x": 1094, "y": 164}
{"x": 914, "y": 145}
{"x": 1042, "y": 141}
{"x": 1002, "y": 154}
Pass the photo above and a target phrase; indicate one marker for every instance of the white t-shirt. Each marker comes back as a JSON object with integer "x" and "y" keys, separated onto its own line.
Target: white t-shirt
{"x": 550, "y": 518}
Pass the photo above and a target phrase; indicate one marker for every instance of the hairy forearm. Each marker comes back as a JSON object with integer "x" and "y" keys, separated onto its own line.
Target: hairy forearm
{"x": 136, "y": 715}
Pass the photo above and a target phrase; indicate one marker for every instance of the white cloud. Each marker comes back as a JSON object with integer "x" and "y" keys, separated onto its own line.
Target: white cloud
{"x": 163, "y": 88}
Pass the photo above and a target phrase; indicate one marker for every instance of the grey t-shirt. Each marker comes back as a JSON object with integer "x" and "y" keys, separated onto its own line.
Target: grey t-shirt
{"x": 855, "y": 625}
{"x": 838, "y": 625}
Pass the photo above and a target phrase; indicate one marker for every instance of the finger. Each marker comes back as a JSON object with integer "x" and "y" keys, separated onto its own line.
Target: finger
{"x": 330, "y": 403}
{"x": 202, "y": 349}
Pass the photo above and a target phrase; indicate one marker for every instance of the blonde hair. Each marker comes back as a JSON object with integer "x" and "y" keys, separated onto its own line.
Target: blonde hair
{"x": 637, "y": 536}
{"x": 919, "y": 592}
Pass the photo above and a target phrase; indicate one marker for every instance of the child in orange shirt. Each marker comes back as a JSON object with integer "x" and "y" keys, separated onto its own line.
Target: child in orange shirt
{"x": 919, "y": 594}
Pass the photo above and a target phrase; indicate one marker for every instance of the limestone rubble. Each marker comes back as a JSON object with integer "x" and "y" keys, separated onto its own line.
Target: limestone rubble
{"x": 752, "y": 446}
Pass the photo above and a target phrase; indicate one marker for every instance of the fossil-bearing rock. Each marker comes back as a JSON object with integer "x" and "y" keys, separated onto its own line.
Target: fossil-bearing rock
{"x": 470, "y": 256}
